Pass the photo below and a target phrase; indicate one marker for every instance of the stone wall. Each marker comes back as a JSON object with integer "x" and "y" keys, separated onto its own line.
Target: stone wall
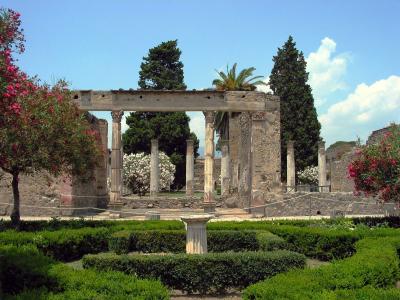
{"x": 199, "y": 173}
{"x": 338, "y": 173}
{"x": 37, "y": 192}
{"x": 314, "y": 204}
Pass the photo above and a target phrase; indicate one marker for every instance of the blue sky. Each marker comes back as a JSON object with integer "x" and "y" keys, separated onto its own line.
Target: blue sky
{"x": 352, "y": 48}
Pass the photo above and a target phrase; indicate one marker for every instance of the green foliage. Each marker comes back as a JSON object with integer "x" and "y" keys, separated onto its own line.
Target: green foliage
{"x": 64, "y": 245}
{"x": 38, "y": 277}
{"x": 157, "y": 241}
{"x": 161, "y": 70}
{"x": 244, "y": 81}
{"x": 212, "y": 272}
{"x": 299, "y": 120}
{"x": 321, "y": 243}
{"x": 269, "y": 242}
{"x": 375, "y": 266}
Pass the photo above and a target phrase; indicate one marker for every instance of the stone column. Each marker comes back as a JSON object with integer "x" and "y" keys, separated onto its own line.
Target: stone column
{"x": 208, "y": 202}
{"x": 245, "y": 176}
{"x": 225, "y": 168}
{"x": 234, "y": 145}
{"x": 196, "y": 234}
{"x": 154, "y": 169}
{"x": 290, "y": 167}
{"x": 189, "y": 167}
{"x": 321, "y": 166}
{"x": 116, "y": 162}
{"x": 101, "y": 170}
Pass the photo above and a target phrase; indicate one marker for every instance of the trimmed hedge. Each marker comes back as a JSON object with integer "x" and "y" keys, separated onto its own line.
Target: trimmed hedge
{"x": 174, "y": 241}
{"x": 24, "y": 269}
{"x": 64, "y": 245}
{"x": 375, "y": 265}
{"x": 320, "y": 243}
{"x": 212, "y": 272}
{"x": 269, "y": 242}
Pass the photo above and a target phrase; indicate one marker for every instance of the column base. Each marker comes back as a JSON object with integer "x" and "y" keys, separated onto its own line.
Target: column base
{"x": 209, "y": 207}
{"x": 115, "y": 205}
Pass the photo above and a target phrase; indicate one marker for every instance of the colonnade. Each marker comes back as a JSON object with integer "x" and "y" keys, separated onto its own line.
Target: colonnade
{"x": 291, "y": 167}
{"x": 208, "y": 201}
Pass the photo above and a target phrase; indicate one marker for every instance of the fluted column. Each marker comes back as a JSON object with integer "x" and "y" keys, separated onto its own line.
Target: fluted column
{"x": 116, "y": 160}
{"x": 189, "y": 167}
{"x": 208, "y": 203}
{"x": 291, "y": 167}
{"x": 154, "y": 169}
{"x": 322, "y": 166}
{"x": 225, "y": 168}
{"x": 196, "y": 234}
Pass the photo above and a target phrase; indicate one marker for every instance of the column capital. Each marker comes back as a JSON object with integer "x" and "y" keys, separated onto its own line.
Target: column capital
{"x": 154, "y": 141}
{"x": 189, "y": 142}
{"x": 117, "y": 115}
{"x": 321, "y": 144}
{"x": 290, "y": 144}
{"x": 210, "y": 116}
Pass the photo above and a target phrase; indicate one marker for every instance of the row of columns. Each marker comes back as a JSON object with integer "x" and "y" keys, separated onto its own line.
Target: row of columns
{"x": 291, "y": 167}
{"x": 116, "y": 163}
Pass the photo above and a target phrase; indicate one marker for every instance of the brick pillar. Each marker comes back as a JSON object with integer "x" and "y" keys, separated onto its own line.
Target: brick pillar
{"x": 322, "y": 167}
{"x": 208, "y": 202}
{"x": 189, "y": 167}
{"x": 290, "y": 167}
{"x": 116, "y": 161}
{"x": 154, "y": 169}
{"x": 225, "y": 168}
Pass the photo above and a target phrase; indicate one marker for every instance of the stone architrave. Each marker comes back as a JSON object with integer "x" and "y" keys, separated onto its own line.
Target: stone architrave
{"x": 189, "y": 167}
{"x": 208, "y": 201}
{"x": 116, "y": 161}
{"x": 196, "y": 233}
{"x": 225, "y": 168}
{"x": 322, "y": 167}
{"x": 290, "y": 167}
{"x": 154, "y": 169}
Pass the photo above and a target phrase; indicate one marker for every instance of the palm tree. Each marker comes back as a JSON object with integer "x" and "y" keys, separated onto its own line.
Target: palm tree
{"x": 228, "y": 81}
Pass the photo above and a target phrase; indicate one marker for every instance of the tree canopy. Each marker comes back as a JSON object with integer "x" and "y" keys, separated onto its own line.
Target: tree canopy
{"x": 299, "y": 120}
{"x": 161, "y": 70}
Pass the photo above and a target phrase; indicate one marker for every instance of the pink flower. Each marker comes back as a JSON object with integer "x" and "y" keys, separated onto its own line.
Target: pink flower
{"x": 16, "y": 108}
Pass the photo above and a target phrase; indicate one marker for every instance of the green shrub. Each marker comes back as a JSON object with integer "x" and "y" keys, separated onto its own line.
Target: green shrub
{"x": 159, "y": 241}
{"x": 376, "y": 265}
{"x": 65, "y": 244}
{"x": 269, "y": 242}
{"x": 120, "y": 242}
{"x": 212, "y": 272}
{"x": 23, "y": 268}
{"x": 230, "y": 240}
{"x": 320, "y": 243}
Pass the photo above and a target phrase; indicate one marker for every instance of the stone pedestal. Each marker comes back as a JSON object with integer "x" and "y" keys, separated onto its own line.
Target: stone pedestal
{"x": 154, "y": 169}
{"x": 116, "y": 160}
{"x": 196, "y": 234}
{"x": 152, "y": 215}
{"x": 322, "y": 167}
{"x": 189, "y": 167}
{"x": 290, "y": 167}
{"x": 209, "y": 162}
{"x": 225, "y": 169}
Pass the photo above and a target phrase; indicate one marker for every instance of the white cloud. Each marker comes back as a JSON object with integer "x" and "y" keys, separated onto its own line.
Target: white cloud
{"x": 197, "y": 125}
{"x": 264, "y": 88}
{"x": 326, "y": 71}
{"x": 368, "y": 108}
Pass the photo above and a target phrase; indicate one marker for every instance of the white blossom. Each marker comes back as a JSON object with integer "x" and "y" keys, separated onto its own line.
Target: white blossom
{"x": 309, "y": 175}
{"x": 136, "y": 172}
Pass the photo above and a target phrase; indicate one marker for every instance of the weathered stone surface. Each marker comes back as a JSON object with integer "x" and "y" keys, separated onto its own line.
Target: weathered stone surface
{"x": 196, "y": 234}
{"x": 290, "y": 167}
{"x": 209, "y": 158}
{"x": 189, "y": 167}
{"x": 322, "y": 167}
{"x": 244, "y": 168}
{"x": 339, "y": 180}
{"x": 116, "y": 160}
{"x": 199, "y": 173}
{"x": 154, "y": 169}
{"x": 151, "y": 100}
{"x": 234, "y": 144}
{"x": 225, "y": 169}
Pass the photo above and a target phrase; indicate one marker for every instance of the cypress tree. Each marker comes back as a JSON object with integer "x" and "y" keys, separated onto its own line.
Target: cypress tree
{"x": 161, "y": 69}
{"x": 299, "y": 120}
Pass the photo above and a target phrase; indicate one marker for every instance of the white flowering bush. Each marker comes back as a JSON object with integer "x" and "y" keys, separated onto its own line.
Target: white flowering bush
{"x": 136, "y": 172}
{"x": 308, "y": 176}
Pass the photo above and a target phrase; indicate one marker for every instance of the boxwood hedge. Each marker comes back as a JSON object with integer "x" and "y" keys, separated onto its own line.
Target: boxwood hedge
{"x": 212, "y": 272}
